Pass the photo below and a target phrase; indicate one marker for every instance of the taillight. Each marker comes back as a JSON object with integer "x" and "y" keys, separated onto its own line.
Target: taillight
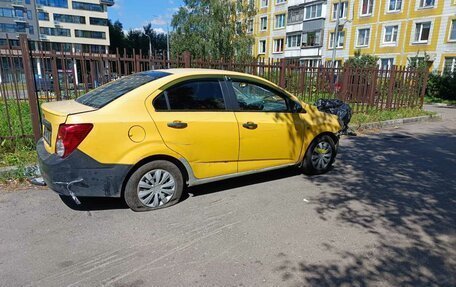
{"x": 69, "y": 137}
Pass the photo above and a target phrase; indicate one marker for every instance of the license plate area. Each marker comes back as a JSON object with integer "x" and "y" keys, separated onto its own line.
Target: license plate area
{"x": 47, "y": 132}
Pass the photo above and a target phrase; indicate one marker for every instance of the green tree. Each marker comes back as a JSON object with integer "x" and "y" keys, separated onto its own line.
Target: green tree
{"x": 420, "y": 62}
{"x": 213, "y": 29}
{"x": 362, "y": 60}
{"x": 135, "y": 39}
{"x": 116, "y": 36}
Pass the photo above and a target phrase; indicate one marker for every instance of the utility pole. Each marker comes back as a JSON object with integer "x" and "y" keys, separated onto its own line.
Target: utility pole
{"x": 336, "y": 34}
{"x": 150, "y": 45}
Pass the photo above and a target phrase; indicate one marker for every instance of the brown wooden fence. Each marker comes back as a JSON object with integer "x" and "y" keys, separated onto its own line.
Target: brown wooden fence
{"x": 29, "y": 77}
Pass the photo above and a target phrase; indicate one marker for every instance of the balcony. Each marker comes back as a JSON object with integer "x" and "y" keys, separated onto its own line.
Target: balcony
{"x": 18, "y": 4}
{"x": 18, "y": 19}
{"x": 107, "y": 2}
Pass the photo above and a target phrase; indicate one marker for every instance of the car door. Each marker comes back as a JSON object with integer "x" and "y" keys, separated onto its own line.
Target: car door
{"x": 270, "y": 133}
{"x": 193, "y": 121}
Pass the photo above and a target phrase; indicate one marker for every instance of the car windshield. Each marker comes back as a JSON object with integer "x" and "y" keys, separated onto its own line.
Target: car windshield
{"x": 107, "y": 93}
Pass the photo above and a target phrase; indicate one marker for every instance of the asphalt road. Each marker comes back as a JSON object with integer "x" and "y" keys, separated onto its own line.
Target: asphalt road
{"x": 384, "y": 216}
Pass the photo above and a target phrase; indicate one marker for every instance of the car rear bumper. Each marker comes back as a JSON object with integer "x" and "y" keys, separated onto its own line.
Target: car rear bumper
{"x": 96, "y": 179}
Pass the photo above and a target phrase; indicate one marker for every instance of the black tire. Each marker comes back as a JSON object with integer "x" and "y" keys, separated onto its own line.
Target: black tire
{"x": 131, "y": 189}
{"x": 312, "y": 169}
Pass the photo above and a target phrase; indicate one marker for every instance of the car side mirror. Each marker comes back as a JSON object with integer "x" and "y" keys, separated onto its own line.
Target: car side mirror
{"x": 298, "y": 109}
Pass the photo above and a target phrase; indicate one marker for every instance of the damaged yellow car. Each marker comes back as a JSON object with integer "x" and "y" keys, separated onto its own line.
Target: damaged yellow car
{"x": 147, "y": 136}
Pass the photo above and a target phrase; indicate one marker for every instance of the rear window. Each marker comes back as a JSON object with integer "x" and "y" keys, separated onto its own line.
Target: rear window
{"x": 200, "y": 95}
{"x": 107, "y": 93}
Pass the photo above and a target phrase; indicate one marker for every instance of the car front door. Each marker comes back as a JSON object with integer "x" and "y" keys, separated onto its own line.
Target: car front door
{"x": 270, "y": 133}
{"x": 193, "y": 121}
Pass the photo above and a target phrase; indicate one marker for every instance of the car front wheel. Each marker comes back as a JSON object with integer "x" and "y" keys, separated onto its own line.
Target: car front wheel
{"x": 154, "y": 185}
{"x": 320, "y": 155}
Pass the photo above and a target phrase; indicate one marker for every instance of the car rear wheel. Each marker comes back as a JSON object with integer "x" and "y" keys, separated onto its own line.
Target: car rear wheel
{"x": 320, "y": 155}
{"x": 154, "y": 185}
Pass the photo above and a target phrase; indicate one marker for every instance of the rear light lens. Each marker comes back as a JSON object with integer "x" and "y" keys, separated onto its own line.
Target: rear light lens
{"x": 69, "y": 137}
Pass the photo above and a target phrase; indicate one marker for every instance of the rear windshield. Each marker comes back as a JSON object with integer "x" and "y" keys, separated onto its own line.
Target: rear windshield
{"x": 107, "y": 93}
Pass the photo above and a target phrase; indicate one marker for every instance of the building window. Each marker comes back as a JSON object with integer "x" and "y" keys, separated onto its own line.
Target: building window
{"x": 422, "y": 31}
{"x": 313, "y": 11}
{"x": 43, "y": 16}
{"x": 278, "y": 46}
{"x": 309, "y": 63}
{"x": 449, "y": 66}
{"x": 391, "y": 33}
{"x": 394, "y": 5}
{"x": 453, "y": 30}
{"x": 263, "y": 23}
{"x": 87, "y": 6}
{"x": 98, "y": 21}
{"x": 69, "y": 19}
{"x": 427, "y": 3}
{"x": 363, "y": 37}
{"x": 280, "y": 1}
{"x": 53, "y": 3}
{"x": 250, "y": 26}
{"x": 89, "y": 34}
{"x": 6, "y": 12}
{"x": 31, "y": 30}
{"x": 367, "y": 6}
{"x": 55, "y": 32}
{"x": 264, "y": 3}
{"x": 296, "y": 15}
{"x": 294, "y": 41}
{"x": 311, "y": 39}
{"x": 280, "y": 21}
{"x": 386, "y": 63}
{"x": 238, "y": 28}
{"x": 20, "y": 27}
{"x": 342, "y": 10}
{"x": 339, "y": 42}
{"x": 262, "y": 47}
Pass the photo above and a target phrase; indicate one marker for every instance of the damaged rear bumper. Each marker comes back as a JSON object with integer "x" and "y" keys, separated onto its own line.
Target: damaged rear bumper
{"x": 86, "y": 176}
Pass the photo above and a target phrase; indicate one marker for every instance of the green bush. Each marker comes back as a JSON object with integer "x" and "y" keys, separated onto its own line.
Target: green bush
{"x": 442, "y": 86}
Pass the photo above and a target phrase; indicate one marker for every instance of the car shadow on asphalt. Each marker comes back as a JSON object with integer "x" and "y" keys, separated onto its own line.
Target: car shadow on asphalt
{"x": 399, "y": 188}
{"x": 242, "y": 181}
{"x": 94, "y": 203}
{"x": 103, "y": 203}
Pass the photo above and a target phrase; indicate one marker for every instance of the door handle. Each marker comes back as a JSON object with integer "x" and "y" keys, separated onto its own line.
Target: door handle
{"x": 250, "y": 125}
{"x": 177, "y": 125}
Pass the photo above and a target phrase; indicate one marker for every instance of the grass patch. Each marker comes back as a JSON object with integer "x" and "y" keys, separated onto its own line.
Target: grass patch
{"x": 21, "y": 156}
{"x": 15, "y": 118}
{"x": 13, "y": 176}
{"x": 385, "y": 115}
{"x": 15, "y": 122}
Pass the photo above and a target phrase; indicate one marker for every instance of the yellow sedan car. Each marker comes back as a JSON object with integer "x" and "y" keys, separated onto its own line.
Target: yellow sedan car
{"x": 147, "y": 136}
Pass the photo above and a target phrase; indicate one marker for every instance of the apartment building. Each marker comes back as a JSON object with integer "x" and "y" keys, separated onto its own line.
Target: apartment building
{"x": 80, "y": 26}
{"x": 394, "y": 30}
{"x": 17, "y": 17}
{"x": 268, "y": 28}
{"x": 305, "y": 30}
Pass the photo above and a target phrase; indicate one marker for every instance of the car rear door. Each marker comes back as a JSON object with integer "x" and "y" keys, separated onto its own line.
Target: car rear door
{"x": 270, "y": 133}
{"x": 193, "y": 121}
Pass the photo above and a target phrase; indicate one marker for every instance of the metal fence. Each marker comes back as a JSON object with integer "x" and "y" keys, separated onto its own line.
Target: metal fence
{"x": 29, "y": 77}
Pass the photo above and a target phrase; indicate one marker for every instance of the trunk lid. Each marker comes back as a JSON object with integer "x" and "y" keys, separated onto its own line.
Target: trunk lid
{"x": 56, "y": 113}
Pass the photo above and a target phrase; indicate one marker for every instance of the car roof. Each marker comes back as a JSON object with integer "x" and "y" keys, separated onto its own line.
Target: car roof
{"x": 194, "y": 71}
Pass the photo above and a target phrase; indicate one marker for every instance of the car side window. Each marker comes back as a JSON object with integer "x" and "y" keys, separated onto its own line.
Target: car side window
{"x": 204, "y": 95}
{"x": 253, "y": 97}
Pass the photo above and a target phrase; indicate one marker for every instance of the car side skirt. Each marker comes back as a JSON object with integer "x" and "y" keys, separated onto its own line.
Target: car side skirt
{"x": 192, "y": 180}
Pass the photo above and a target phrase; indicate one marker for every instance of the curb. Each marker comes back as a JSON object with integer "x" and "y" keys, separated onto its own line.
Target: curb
{"x": 28, "y": 170}
{"x": 392, "y": 123}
